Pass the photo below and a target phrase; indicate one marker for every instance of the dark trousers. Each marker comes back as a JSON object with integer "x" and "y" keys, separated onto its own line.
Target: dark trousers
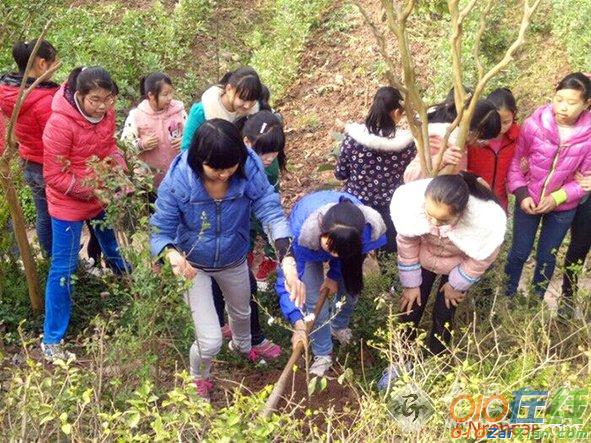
{"x": 440, "y": 333}
{"x": 390, "y": 246}
{"x": 255, "y": 326}
{"x": 580, "y": 243}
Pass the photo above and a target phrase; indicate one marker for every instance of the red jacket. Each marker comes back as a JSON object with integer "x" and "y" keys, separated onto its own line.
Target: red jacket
{"x": 494, "y": 167}
{"x": 33, "y": 115}
{"x": 70, "y": 141}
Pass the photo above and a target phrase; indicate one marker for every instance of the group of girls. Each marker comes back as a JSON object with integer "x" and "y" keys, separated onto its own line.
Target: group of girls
{"x": 216, "y": 175}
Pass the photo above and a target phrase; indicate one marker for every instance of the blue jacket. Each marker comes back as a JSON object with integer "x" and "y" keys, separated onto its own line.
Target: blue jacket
{"x": 214, "y": 234}
{"x": 305, "y": 221}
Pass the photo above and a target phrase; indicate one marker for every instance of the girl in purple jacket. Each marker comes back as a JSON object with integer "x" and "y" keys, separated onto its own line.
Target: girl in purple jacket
{"x": 555, "y": 144}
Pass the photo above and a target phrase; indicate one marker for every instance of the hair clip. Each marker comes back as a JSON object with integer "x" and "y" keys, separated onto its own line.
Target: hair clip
{"x": 263, "y": 127}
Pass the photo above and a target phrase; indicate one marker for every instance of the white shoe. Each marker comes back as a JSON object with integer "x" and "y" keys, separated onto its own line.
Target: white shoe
{"x": 343, "y": 336}
{"x": 321, "y": 364}
{"x": 55, "y": 352}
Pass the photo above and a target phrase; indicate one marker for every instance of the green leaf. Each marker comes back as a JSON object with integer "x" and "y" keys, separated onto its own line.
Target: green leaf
{"x": 312, "y": 385}
{"x": 133, "y": 419}
{"x": 67, "y": 428}
{"x": 86, "y": 396}
{"x": 323, "y": 383}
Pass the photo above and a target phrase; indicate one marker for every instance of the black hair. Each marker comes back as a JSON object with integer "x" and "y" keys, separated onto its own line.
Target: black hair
{"x": 246, "y": 81}
{"x": 486, "y": 121}
{"x": 265, "y": 99}
{"x": 265, "y": 131}
{"x": 83, "y": 80}
{"x": 343, "y": 224}
{"x": 454, "y": 190}
{"x": 218, "y": 144}
{"x": 21, "y": 51}
{"x": 153, "y": 84}
{"x": 445, "y": 112}
{"x": 378, "y": 120}
{"x": 577, "y": 81}
{"x": 503, "y": 98}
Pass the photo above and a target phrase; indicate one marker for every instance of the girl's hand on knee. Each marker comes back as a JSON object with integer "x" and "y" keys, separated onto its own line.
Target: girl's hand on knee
{"x": 180, "y": 265}
{"x": 329, "y": 285}
{"x": 295, "y": 287}
{"x": 452, "y": 296}
{"x": 528, "y": 206}
{"x": 299, "y": 334}
{"x": 408, "y": 299}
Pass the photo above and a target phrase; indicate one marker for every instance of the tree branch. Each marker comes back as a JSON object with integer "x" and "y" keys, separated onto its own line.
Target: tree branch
{"x": 479, "y": 34}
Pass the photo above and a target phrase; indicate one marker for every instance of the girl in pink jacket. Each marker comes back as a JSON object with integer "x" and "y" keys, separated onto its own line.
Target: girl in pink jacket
{"x": 155, "y": 127}
{"x": 555, "y": 144}
{"x": 81, "y": 128}
{"x": 453, "y": 226}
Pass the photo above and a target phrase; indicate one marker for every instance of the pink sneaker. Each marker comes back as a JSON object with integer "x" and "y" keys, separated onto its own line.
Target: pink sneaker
{"x": 226, "y": 332}
{"x": 251, "y": 355}
{"x": 204, "y": 387}
{"x": 267, "y": 349}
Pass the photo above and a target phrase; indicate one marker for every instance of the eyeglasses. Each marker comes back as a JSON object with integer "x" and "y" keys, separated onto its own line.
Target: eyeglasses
{"x": 96, "y": 102}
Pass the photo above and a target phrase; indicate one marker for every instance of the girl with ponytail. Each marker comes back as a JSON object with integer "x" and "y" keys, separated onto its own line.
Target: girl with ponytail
{"x": 335, "y": 228}
{"x": 450, "y": 226}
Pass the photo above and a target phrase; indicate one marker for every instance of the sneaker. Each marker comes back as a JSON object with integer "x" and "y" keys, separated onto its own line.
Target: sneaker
{"x": 343, "y": 336}
{"x": 321, "y": 364}
{"x": 250, "y": 355}
{"x": 92, "y": 268}
{"x": 267, "y": 349}
{"x": 53, "y": 352}
{"x": 391, "y": 374}
{"x": 204, "y": 387}
{"x": 226, "y": 332}
{"x": 266, "y": 268}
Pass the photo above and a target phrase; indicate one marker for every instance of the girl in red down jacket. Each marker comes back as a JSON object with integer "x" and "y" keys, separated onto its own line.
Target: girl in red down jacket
{"x": 31, "y": 122}
{"x": 555, "y": 142}
{"x": 491, "y": 160}
{"x": 80, "y": 128}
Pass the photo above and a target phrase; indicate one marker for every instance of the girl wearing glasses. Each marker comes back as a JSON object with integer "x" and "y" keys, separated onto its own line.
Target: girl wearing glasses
{"x": 81, "y": 127}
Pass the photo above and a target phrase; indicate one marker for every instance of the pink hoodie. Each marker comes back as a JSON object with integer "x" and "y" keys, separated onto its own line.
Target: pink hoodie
{"x": 167, "y": 124}
{"x": 463, "y": 251}
{"x": 552, "y": 162}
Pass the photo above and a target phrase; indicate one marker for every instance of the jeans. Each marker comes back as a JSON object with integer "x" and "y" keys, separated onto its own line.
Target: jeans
{"x": 321, "y": 340}
{"x": 580, "y": 243}
{"x": 442, "y": 315}
{"x": 554, "y": 227}
{"x": 255, "y": 326}
{"x": 64, "y": 261}
{"x": 33, "y": 175}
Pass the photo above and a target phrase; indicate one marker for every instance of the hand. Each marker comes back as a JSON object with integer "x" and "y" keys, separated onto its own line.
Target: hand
{"x": 151, "y": 142}
{"x": 408, "y": 299}
{"x": 452, "y": 156}
{"x": 547, "y": 204}
{"x": 180, "y": 265}
{"x": 176, "y": 143}
{"x": 483, "y": 182}
{"x": 528, "y": 206}
{"x": 452, "y": 297}
{"x": 295, "y": 287}
{"x": 330, "y": 285}
{"x": 584, "y": 181}
{"x": 299, "y": 334}
{"x": 524, "y": 165}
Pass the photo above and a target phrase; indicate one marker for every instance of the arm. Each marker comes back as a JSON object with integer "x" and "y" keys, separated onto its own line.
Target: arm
{"x": 288, "y": 308}
{"x": 130, "y": 131}
{"x": 573, "y": 190}
{"x": 343, "y": 168}
{"x": 165, "y": 219}
{"x": 43, "y": 111}
{"x": 195, "y": 119}
{"x": 334, "y": 269}
{"x": 469, "y": 271}
{"x": 516, "y": 179}
{"x": 409, "y": 265}
{"x": 57, "y": 141}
